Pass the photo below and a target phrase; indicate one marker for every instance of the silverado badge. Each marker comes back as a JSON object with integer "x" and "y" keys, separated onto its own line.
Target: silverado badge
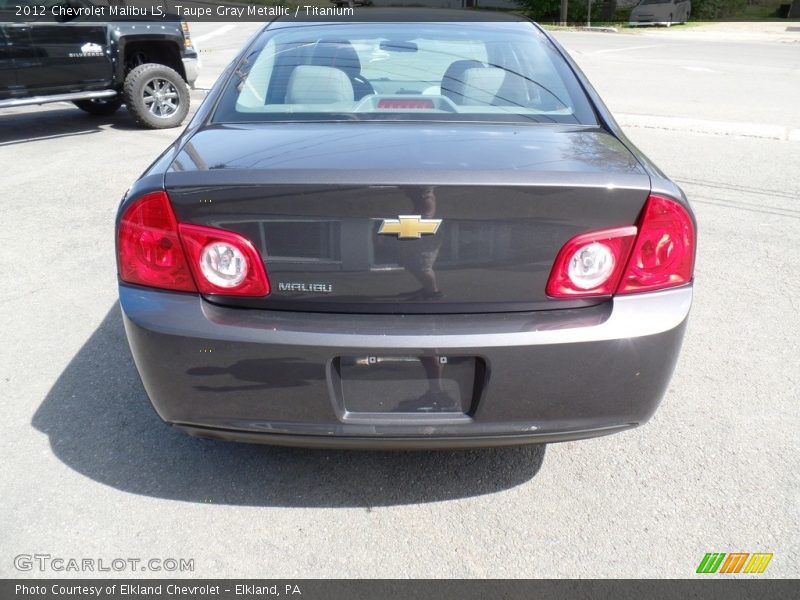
{"x": 409, "y": 226}
{"x": 88, "y": 49}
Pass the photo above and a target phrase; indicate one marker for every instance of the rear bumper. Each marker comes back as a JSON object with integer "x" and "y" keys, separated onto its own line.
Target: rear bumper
{"x": 269, "y": 376}
{"x": 420, "y": 442}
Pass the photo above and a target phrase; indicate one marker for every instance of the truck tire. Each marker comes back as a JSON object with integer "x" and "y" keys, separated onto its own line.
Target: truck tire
{"x": 102, "y": 107}
{"x": 156, "y": 96}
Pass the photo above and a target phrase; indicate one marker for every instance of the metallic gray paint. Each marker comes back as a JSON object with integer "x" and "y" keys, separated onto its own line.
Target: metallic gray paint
{"x": 530, "y": 189}
{"x": 257, "y": 375}
{"x": 551, "y": 375}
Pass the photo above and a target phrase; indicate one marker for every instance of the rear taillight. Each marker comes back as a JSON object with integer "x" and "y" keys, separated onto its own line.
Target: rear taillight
{"x": 157, "y": 251}
{"x": 657, "y": 254}
{"x": 663, "y": 255}
{"x": 224, "y": 262}
{"x": 590, "y": 264}
{"x": 148, "y": 246}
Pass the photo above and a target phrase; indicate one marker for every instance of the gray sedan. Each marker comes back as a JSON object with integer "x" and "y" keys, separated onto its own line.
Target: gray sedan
{"x": 404, "y": 234}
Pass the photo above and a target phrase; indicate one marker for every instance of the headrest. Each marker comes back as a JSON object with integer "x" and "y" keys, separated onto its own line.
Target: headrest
{"x": 337, "y": 53}
{"x": 481, "y": 85}
{"x": 310, "y": 84}
{"x": 453, "y": 79}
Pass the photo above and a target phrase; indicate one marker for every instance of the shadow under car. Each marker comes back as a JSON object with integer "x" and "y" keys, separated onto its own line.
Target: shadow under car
{"x": 100, "y": 424}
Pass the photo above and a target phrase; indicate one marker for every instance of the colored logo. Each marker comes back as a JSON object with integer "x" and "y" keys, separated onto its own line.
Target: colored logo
{"x": 407, "y": 227}
{"x": 734, "y": 562}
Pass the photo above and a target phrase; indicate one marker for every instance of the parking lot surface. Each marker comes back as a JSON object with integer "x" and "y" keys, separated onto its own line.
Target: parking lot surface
{"x": 90, "y": 471}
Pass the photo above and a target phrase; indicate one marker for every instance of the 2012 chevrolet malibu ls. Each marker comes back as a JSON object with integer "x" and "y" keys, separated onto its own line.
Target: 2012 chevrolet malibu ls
{"x": 404, "y": 234}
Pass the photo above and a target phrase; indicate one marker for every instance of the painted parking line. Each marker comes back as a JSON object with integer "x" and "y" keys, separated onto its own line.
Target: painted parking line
{"x": 625, "y": 49}
{"x": 212, "y": 34}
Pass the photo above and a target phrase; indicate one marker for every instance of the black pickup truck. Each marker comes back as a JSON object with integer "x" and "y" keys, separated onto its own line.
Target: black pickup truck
{"x": 47, "y": 54}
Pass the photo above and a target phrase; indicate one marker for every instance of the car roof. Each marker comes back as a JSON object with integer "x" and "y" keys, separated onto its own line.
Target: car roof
{"x": 403, "y": 15}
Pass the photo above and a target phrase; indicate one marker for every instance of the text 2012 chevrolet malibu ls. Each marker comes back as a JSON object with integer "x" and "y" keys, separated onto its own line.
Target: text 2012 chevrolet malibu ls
{"x": 404, "y": 234}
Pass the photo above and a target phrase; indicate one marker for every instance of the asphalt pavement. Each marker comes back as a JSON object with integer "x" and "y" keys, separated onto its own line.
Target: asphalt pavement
{"x": 89, "y": 471}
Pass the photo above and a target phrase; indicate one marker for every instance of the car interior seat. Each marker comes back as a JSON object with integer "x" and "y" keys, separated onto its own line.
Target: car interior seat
{"x": 472, "y": 83}
{"x": 340, "y": 54}
{"x": 312, "y": 84}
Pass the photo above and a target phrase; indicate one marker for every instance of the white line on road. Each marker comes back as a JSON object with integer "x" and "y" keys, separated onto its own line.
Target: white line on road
{"x": 625, "y": 49}
{"x": 212, "y": 34}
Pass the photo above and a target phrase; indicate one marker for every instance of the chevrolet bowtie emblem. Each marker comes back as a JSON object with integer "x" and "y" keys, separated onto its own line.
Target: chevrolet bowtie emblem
{"x": 407, "y": 227}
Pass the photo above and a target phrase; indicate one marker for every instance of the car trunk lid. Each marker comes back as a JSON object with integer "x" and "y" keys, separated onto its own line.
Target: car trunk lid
{"x": 406, "y": 217}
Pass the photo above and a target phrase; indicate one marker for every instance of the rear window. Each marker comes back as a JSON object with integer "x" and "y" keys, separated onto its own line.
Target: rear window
{"x": 404, "y": 71}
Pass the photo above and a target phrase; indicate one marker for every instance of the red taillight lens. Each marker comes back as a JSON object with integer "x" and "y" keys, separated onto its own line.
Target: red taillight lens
{"x": 224, "y": 262}
{"x": 657, "y": 254}
{"x": 149, "y": 250}
{"x": 157, "y": 251}
{"x": 590, "y": 264}
{"x": 663, "y": 255}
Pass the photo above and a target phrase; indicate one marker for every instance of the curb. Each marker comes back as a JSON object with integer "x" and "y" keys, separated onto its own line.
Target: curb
{"x": 599, "y": 29}
{"x": 753, "y": 130}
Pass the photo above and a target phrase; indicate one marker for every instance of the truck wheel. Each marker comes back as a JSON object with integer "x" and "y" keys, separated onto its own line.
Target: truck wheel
{"x": 156, "y": 96}
{"x": 101, "y": 107}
